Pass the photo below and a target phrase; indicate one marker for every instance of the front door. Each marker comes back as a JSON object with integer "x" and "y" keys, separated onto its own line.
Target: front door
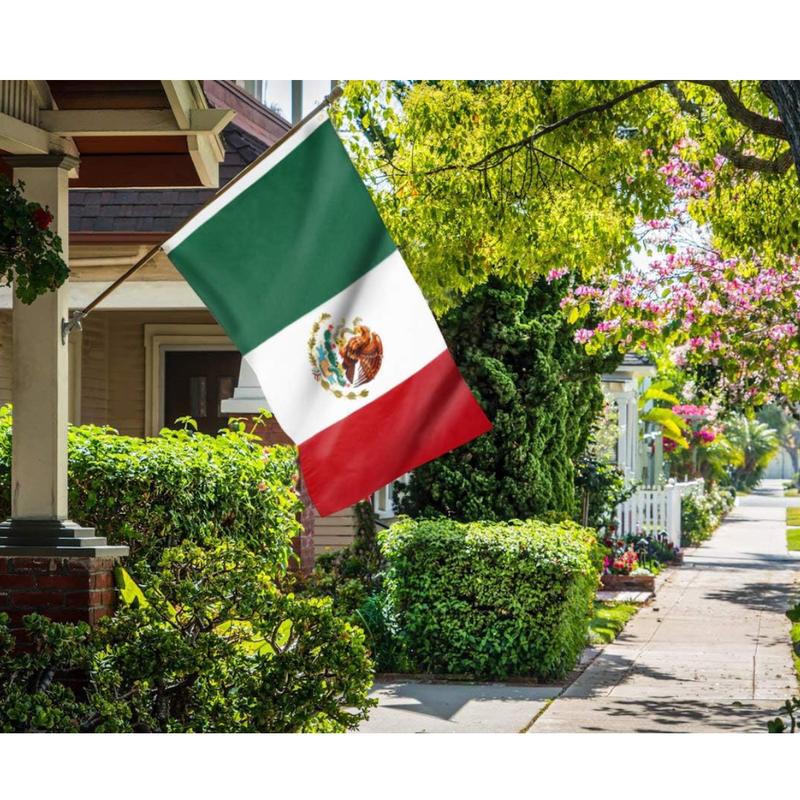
{"x": 195, "y": 384}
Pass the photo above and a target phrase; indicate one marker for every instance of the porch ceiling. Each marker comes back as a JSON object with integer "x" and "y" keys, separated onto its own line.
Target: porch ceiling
{"x": 127, "y": 133}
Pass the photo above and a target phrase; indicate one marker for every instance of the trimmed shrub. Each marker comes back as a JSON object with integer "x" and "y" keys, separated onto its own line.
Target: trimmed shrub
{"x": 179, "y": 486}
{"x": 211, "y": 645}
{"x": 491, "y": 600}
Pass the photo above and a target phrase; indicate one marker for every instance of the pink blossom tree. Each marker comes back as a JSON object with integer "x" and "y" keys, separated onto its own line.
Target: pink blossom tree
{"x": 729, "y": 322}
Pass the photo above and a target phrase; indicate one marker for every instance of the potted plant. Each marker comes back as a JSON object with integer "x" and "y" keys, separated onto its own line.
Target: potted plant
{"x": 30, "y": 250}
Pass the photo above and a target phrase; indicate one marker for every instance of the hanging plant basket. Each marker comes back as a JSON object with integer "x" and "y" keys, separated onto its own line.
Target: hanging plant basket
{"x": 30, "y": 251}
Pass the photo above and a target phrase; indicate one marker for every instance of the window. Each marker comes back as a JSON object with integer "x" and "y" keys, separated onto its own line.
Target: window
{"x": 257, "y": 89}
{"x": 383, "y": 501}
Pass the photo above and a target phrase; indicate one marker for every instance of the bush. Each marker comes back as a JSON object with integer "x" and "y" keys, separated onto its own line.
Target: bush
{"x": 179, "y": 486}
{"x": 701, "y": 514}
{"x": 212, "y": 645}
{"x": 491, "y": 600}
{"x": 756, "y": 444}
{"x": 351, "y": 574}
{"x": 541, "y": 391}
{"x": 602, "y": 488}
{"x": 352, "y": 578}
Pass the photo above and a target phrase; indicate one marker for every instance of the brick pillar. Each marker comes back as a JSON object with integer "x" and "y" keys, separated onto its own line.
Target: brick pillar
{"x": 77, "y": 589}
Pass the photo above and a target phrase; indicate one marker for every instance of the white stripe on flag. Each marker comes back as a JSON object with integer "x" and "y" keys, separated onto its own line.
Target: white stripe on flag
{"x": 391, "y": 304}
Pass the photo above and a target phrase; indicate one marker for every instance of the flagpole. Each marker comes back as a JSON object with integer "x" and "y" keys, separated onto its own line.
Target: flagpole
{"x": 77, "y": 317}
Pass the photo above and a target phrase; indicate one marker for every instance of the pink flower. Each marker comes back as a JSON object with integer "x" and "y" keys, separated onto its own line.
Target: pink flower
{"x": 557, "y": 273}
{"x": 607, "y": 325}
{"x": 583, "y": 335}
{"x": 688, "y": 411}
{"x": 784, "y": 331}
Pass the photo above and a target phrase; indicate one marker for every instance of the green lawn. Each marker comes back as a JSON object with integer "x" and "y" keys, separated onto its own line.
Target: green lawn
{"x": 793, "y": 538}
{"x": 791, "y": 493}
{"x": 609, "y": 620}
{"x": 794, "y": 616}
{"x": 793, "y": 517}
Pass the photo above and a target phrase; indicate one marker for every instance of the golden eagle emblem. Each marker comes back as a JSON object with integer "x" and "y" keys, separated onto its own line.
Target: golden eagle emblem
{"x": 344, "y": 356}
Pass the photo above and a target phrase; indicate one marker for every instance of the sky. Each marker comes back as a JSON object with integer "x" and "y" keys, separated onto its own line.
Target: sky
{"x": 280, "y": 93}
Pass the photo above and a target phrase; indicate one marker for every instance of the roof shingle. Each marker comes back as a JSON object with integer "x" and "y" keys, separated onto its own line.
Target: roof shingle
{"x": 157, "y": 210}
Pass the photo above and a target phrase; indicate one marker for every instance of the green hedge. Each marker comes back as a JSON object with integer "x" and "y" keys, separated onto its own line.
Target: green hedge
{"x": 491, "y": 599}
{"x": 180, "y": 486}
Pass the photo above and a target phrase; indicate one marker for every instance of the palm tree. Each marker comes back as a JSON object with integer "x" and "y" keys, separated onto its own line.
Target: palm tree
{"x": 756, "y": 444}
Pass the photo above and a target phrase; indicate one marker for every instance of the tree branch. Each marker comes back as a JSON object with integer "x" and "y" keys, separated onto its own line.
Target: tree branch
{"x": 509, "y": 149}
{"x": 737, "y": 110}
{"x": 686, "y": 105}
{"x": 777, "y": 166}
{"x": 741, "y": 113}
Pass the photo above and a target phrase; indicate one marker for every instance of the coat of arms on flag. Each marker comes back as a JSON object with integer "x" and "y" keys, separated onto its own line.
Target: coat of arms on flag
{"x": 296, "y": 265}
{"x": 344, "y": 357}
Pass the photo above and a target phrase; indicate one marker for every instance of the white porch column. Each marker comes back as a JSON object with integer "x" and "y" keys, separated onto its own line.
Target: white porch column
{"x": 40, "y": 393}
{"x": 40, "y": 388}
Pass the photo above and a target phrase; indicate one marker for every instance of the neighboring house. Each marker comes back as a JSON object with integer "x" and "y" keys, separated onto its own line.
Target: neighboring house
{"x": 655, "y": 506}
{"x": 152, "y": 352}
{"x": 639, "y": 452}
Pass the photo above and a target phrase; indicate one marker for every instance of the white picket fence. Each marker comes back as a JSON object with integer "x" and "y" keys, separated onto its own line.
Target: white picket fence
{"x": 651, "y": 511}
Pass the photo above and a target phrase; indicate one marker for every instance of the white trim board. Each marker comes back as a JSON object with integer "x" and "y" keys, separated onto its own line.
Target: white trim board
{"x": 130, "y": 295}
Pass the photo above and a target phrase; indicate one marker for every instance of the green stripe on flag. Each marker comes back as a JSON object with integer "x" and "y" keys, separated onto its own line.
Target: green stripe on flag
{"x": 300, "y": 234}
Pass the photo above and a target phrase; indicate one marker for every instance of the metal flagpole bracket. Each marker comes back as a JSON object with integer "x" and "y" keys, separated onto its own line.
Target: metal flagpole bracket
{"x": 73, "y": 323}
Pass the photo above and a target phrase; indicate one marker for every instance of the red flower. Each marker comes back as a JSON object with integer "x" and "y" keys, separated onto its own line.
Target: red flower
{"x": 42, "y": 218}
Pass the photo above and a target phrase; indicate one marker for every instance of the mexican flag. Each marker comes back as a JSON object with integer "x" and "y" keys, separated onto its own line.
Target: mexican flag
{"x": 295, "y": 263}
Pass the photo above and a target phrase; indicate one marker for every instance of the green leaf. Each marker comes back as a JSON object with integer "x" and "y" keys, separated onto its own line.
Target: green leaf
{"x": 653, "y": 393}
{"x": 664, "y": 416}
{"x": 129, "y": 591}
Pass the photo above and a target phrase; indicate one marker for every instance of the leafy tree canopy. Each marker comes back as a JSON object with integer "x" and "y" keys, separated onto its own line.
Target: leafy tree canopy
{"x": 517, "y": 178}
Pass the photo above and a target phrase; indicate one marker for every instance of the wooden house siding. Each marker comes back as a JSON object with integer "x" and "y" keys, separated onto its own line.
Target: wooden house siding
{"x": 113, "y": 388}
{"x": 94, "y": 370}
{"x": 334, "y": 531}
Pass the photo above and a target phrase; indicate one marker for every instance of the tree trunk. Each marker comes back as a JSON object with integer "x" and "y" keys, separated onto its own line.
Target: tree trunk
{"x": 786, "y": 95}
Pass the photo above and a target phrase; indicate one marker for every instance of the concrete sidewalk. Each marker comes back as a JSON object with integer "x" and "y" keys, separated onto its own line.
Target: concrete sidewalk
{"x": 408, "y": 706}
{"x": 712, "y": 652}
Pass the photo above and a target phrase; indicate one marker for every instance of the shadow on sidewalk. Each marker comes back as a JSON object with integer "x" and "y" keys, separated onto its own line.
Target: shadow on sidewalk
{"x": 676, "y": 716}
{"x": 776, "y": 597}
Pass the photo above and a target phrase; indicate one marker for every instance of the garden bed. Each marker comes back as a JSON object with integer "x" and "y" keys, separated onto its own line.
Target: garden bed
{"x": 628, "y": 583}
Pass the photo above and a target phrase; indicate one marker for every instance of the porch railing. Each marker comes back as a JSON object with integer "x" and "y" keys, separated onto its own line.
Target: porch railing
{"x": 651, "y": 511}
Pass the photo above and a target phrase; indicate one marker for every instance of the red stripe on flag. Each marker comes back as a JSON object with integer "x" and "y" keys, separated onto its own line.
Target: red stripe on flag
{"x": 423, "y": 417}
